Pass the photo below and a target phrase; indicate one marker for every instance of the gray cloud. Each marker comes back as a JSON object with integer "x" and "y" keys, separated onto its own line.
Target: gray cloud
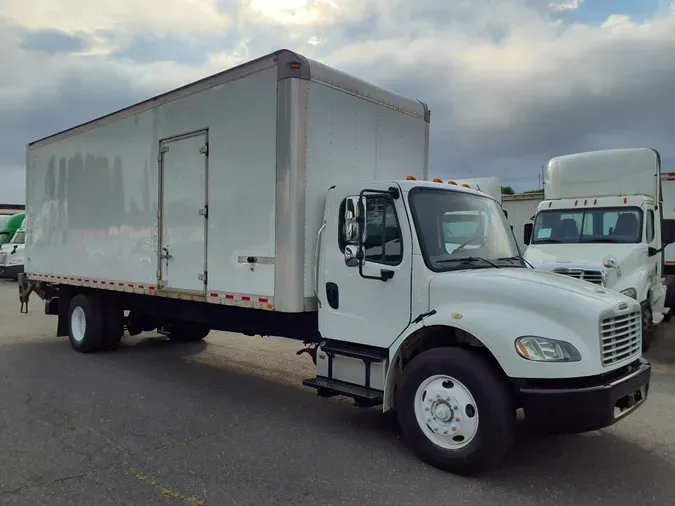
{"x": 52, "y": 41}
{"x": 508, "y": 87}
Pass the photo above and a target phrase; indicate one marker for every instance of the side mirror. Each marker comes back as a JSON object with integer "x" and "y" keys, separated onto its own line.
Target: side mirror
{"x": 668, "y": 232}
{"x": 355, "y": 220}
{"x": 527, "y": 233}
{"x": 506, "y": 214}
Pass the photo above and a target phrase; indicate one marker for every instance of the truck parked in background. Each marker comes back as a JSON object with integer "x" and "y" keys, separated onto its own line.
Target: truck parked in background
{"x": 283, "y": 197}
{"x": 11, "y": 226}
{"x": 12, "y": 254}
{"x": 602, "y": 220}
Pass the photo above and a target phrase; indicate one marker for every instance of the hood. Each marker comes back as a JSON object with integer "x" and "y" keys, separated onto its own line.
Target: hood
{"x": 537, "y": 291}
{"x": 581, "y": 255}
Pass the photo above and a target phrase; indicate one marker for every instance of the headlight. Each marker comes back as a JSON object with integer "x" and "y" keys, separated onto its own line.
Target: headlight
{"x": 542, "y": 349}
{"x": 16, "y": 261}
{"x": 631, "y": 292}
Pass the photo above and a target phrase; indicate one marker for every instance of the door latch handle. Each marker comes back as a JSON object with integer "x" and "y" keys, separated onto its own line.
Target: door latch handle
{"x": 166, "y": 255}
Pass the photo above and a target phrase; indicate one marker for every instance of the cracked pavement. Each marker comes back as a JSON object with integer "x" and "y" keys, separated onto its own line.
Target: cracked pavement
{"x": 227, "y": 422}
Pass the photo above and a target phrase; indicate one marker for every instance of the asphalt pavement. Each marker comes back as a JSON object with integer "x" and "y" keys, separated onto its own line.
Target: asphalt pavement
{"x": 227, "y": 422}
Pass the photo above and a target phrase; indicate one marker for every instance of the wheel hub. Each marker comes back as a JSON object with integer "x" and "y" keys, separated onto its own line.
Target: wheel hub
{"x": 446, "y": 412}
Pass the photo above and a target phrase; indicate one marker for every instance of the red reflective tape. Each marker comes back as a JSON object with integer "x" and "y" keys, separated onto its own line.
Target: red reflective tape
{"x": 140, "y": 286}
{"x": 214, "y": 294}
{"x": 130, "y": 285}
{"x": 245, "y": 298}
{"x": 120, "y": 284}
{"x": 94, "y": 281}
{"x": 263, "y": 300}
{"x": 231, "y": 297}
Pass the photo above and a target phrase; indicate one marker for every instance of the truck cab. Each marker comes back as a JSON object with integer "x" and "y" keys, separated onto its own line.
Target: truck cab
{"x": 601, "y": 221}
{"x": 426, "y": 305}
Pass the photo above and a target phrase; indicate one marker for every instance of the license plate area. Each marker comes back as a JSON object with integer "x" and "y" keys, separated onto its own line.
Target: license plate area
{"x": 629, "y": 402}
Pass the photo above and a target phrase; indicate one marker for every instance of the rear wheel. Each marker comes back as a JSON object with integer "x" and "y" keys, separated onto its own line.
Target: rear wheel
{"x": 85, "y": 323}
{"x": 455, "y": 411}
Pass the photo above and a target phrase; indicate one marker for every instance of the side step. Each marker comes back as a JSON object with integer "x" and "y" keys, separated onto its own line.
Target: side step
{"x": 364, "y": 397}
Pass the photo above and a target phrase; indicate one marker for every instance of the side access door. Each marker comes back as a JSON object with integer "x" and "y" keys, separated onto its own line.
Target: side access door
{"x": 368, "y": 303}
{"x": 183, "y": 174}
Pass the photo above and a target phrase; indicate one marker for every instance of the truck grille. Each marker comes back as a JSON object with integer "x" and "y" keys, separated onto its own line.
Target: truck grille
{"x": 594, "y": 277}
{"x": 3, "y": 258}
{"x": 620, "y": 337}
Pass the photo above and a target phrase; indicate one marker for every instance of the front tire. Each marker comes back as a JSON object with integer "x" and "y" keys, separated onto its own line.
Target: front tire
{"x": 455, "y": 411}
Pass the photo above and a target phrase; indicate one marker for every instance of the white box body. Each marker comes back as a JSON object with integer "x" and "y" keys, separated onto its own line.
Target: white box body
{"x": 104, "y": 198}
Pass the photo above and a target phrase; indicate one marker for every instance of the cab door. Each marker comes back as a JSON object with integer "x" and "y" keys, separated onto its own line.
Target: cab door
{"x": 367, "y": 304}
{"x": 652, "y": 237}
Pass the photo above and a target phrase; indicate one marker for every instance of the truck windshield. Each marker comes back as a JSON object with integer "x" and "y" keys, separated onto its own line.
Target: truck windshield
{"x": 602, "y": 225}
{"x": 4, "y": 236}
{"x": 458, "y": 230}
{"x": 19, "y": 237}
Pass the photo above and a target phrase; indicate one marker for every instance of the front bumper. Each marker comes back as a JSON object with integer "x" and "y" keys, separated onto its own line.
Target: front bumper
{"x": 10, "y": 271}
{"x": 585, "y": 404}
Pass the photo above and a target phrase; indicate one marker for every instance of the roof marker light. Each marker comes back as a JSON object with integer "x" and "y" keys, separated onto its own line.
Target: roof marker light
{"x": 410, "y": 178}
{"x": 436, "y": 180}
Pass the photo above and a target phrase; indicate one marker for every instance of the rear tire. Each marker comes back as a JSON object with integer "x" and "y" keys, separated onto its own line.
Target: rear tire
{"x": 446, "y": 391}
{"x": 85, "y": 323}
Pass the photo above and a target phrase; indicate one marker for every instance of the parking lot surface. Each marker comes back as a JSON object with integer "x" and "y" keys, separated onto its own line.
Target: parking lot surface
{"x": 227, "y": 421}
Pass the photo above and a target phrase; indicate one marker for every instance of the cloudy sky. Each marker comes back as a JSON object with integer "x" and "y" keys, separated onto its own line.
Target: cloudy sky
{"x": 510, "y": 83}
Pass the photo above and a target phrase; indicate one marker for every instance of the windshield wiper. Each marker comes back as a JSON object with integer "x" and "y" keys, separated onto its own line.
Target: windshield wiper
{"x": 545, "y": 241}
{"x": 468, "y": 260}
{"x": 600, "y": 240}
{"x": 521, "y": 258}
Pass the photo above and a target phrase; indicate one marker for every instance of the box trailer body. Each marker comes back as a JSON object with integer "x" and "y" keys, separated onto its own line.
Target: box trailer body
{"x": 521, "y": 209}
{"x": 286, "y": 198}
{"x": 602, "y": 220}
{"x": 263, "y": 143}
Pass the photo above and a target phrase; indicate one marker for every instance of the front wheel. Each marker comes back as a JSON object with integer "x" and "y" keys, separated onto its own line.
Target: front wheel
{"x": 455, "y": 411}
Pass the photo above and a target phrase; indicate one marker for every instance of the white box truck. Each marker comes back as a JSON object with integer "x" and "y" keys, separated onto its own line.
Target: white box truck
{"x": 285, "y": 198}
{"x": 602, "y": 220}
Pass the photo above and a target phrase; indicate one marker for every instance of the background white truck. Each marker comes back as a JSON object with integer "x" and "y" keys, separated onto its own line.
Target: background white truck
{"x": 274, "y": 199}
{"x": 12, "y": 254}
{"x": 602, "y": 220}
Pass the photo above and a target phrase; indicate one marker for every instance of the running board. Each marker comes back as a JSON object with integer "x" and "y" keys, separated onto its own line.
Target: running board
{"x": 364, "y": 397}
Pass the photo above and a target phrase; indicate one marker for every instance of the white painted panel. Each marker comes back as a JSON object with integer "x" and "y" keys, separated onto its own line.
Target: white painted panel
{"x": 242, "y": 183}
{"x": 92, "y": 198}
{"x": 183, "y": 242}
{"x": 351, "y": 139}
{"x": 91, "y": 203}
{"x": 603, "y": 173}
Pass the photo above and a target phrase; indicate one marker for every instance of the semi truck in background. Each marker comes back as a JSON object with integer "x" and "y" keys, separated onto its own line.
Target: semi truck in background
{"x": 10, "y": 226}
{"x": 12, "y": 254}
{"x": 603, "y": 220}
{"x": 283, "y": 197}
